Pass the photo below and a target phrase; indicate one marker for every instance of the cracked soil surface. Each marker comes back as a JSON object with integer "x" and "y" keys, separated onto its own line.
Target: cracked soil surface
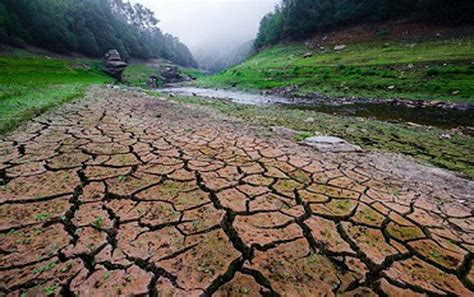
{"x": 121, "y": 194}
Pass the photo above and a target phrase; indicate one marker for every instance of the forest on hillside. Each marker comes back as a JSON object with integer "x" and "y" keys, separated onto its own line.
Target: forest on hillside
{"x": 298, "y": 19}
{"x": 89, "y": 27}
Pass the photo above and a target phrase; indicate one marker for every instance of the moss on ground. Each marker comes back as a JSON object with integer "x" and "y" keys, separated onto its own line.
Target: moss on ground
{"x": 426, "y": 144}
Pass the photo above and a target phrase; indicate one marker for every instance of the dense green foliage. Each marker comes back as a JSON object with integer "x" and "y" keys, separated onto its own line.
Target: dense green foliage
{"x": 90, "y": 27}
{"x": 425, "y": 70}
{"x": 31, "y": 84}
{"x": 295, "y": 19}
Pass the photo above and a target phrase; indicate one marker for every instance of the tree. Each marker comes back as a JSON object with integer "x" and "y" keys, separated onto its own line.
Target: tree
{"x": 90, "y": 27}
{"x": 297, "y": 19}
{"x": 271, "y": 28}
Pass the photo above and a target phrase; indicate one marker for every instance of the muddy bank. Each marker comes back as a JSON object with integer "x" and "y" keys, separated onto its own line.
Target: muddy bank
{"x": 427, "y": 113}
{"x": 316, "y": 98}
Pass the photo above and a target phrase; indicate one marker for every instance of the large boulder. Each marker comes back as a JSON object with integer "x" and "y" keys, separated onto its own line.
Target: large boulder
{"x": 114, "y": 65}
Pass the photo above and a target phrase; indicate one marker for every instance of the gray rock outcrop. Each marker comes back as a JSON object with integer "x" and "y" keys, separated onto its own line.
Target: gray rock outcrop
{"x": 331, "y": 144}
{"x": 171, "y": 74}
{"x": 114, "y": 65}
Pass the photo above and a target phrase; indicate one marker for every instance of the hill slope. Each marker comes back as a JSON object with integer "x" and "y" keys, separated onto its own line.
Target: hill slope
{"x": 433, "y": 69}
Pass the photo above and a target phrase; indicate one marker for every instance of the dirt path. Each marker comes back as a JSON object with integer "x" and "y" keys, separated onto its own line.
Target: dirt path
{"x": 122, "y": 194}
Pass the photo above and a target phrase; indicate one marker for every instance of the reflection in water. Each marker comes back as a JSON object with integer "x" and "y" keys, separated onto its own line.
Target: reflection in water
{"x": 443, "y": 118}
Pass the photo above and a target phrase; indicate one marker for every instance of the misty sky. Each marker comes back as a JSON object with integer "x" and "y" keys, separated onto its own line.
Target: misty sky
{"x": 218, "y": 24}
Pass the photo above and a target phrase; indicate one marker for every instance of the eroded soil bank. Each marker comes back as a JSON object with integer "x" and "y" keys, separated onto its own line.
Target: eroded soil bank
{"x": 122, "y": 193}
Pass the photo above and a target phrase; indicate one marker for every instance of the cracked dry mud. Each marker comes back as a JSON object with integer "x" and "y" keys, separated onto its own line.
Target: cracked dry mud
{"x": 123, "y": 194}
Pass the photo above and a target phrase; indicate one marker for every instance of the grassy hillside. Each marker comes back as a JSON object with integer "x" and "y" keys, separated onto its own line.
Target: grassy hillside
{"x": 31, "y": 84}
{"x": 442, "y": 70}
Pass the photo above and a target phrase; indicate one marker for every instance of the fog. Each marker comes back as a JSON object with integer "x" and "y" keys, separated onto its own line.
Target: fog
{"x": 210, "y": 25}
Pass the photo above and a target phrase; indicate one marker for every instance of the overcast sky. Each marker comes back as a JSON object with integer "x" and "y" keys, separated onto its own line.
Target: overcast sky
{"x": 219, "y": 23}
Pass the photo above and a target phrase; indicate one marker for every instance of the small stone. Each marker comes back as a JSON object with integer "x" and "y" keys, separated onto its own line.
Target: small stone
{"x": 307, "y": 55}
{"x": 411, "y": 124}
{"x": 455, "y": 93}
{"x": 309, "y": 120}
{"x": 339, "y": 47}
{"x": 392, "y": 87}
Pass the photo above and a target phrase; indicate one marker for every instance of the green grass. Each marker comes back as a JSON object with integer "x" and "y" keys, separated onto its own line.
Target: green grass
{"x": 31, "y": 84}
{"x": 138, "y": 74}
{"x": 438, "y": 68}
{"x": 192, "y": 72}
{"x": 422, "y": 143}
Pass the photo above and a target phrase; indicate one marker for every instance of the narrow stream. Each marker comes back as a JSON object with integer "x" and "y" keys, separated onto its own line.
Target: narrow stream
{"x": 431, "y": 116}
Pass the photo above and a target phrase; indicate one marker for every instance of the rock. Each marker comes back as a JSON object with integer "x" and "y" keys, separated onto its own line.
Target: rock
{"x": 309, "y": 120}
{"x": 410, "y": 66}
{"x": 411, "y": 124}
{"x": 172, "y": 95}
{"x": 339, "y": 47}
{"x": 153, "y": 81}
{"x": 307, "y": 55}
{"x": 392, "y": 87}
{"x": 171, "y": 74}
{"x": 113, "y": 64}
{"x": 331, "y": 144}
{"x": 455, "y": 93}
{"x": 445, "y": 136}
